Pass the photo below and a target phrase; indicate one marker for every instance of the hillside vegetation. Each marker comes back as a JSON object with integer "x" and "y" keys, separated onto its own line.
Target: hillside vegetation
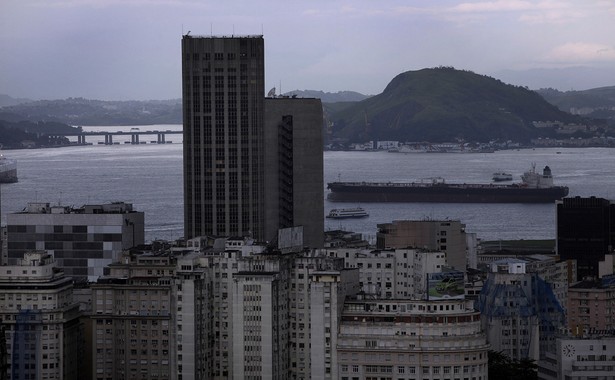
{"x": 15, "y": 135}
{"x": 598, "y": 103}
{"x": 444, "y": 104}
{"x": 79, "y": 111}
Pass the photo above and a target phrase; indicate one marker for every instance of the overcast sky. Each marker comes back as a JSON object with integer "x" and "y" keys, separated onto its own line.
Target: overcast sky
{"x": 130, "y": 49}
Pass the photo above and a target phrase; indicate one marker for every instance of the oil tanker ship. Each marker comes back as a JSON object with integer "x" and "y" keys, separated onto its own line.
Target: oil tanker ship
{"x": 533, "y": 188}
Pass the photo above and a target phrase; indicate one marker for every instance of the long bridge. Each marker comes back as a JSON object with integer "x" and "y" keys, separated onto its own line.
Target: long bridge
{"x": 134, "y": 136}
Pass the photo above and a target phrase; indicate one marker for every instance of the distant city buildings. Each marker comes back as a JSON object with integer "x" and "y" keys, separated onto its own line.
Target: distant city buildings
{"x": 83, "y": 240}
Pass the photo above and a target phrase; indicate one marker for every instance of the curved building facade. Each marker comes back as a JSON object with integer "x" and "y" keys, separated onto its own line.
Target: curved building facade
{"x": 403, "y": 339}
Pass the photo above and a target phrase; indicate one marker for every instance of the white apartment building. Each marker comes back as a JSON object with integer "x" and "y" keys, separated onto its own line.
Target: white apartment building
{"x": 579, "y": 359}
{"x": 42, "y": 330}
{"x": 195, "y": 333}
{"x": 398, "y": 273}
{"x": 405, "y": 339}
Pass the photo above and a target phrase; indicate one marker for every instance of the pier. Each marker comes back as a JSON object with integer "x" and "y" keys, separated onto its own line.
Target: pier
{"x": 134, "y": 136}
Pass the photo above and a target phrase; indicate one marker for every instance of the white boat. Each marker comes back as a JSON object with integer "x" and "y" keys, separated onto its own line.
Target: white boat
{"x": 501, "y": 177}
{"x": 345, "y": 213}
{"x": 8, "y": 170}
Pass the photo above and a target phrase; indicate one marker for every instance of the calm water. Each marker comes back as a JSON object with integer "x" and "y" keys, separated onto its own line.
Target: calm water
{"x": 150, "y": 177}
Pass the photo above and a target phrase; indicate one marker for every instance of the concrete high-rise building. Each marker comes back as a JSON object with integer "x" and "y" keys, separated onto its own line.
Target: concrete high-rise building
{"x": 82, "y": 240}
{"x": 43, "y": 334}
{"x": 294, "y": 194}
{"x": 585, "y": 232}
{"x": 251, "y": 165}
{"x": 133, "y": 333}
{"x": 223, "y": 102}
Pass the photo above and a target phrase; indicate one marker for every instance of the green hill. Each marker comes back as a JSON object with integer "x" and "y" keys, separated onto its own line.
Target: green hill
{"x": 444, "y": 104}
{"x": 598, "y": 103}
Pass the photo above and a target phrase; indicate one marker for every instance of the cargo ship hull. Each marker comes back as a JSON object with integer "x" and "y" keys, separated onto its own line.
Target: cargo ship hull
{"x": 442, "y": 193}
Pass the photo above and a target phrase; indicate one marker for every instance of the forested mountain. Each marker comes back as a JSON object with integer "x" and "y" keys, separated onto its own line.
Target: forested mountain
{"x": 444, "y": 104}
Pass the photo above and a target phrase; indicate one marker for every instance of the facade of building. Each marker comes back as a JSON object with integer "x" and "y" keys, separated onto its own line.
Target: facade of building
{"x": 294, "y": 189}
{"x": 223, "y": 96}
{"x": 403, "y": 339}
{"x": 448, "y": 236}
{"x": 195, "y": 333}
{"x": 519, "y": 311}
{"x": 133, "y": 334}
{"x": 251, "y": 165}
{"x": 580, "y": 359}
{"x": 218, "y": 311}
{"x": 41, "y": 324}
{"x": 591, "y": 307}
{"x": 82, "y": 240}
{"x": 393, "y": 273}
{"x": 585, "y": 233}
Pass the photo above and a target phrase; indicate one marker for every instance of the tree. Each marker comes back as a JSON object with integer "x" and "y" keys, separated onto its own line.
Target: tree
{"x": 505, "y": 368}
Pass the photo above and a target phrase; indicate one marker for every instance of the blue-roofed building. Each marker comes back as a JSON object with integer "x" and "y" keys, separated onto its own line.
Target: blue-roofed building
{"x": 519, "y": 310}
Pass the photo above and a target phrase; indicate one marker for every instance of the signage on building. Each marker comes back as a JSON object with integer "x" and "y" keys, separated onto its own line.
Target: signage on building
{"x": 445, "y": 285}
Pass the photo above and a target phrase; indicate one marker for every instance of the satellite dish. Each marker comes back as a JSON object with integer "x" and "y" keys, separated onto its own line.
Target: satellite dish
{"x": 271, "y": 93}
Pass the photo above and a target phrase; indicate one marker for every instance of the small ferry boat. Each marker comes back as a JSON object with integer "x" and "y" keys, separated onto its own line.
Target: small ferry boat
{"x": 345, "y": 213}
{"x": 501, "y": 177}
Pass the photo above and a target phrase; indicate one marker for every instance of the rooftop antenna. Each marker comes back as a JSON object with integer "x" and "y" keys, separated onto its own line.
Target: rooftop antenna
{"x": 233, "y": 30}
{"x": 211, "y": 29}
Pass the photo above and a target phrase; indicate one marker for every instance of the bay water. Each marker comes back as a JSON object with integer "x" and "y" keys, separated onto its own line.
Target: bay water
{"x": 150, "y": 177}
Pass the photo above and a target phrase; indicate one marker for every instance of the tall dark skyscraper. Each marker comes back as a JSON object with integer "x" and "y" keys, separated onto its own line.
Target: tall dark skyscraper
{"x": 223, "y": 95}
{"x": 251, "y": 165}
{"x": 585, "y": 232}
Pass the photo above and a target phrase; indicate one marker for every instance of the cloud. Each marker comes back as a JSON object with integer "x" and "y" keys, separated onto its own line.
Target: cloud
{"x": 580, "y": 53}
{"x": 531, "y": 12}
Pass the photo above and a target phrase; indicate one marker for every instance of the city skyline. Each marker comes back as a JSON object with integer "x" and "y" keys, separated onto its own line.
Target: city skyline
{"x": 113, "y": 50}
